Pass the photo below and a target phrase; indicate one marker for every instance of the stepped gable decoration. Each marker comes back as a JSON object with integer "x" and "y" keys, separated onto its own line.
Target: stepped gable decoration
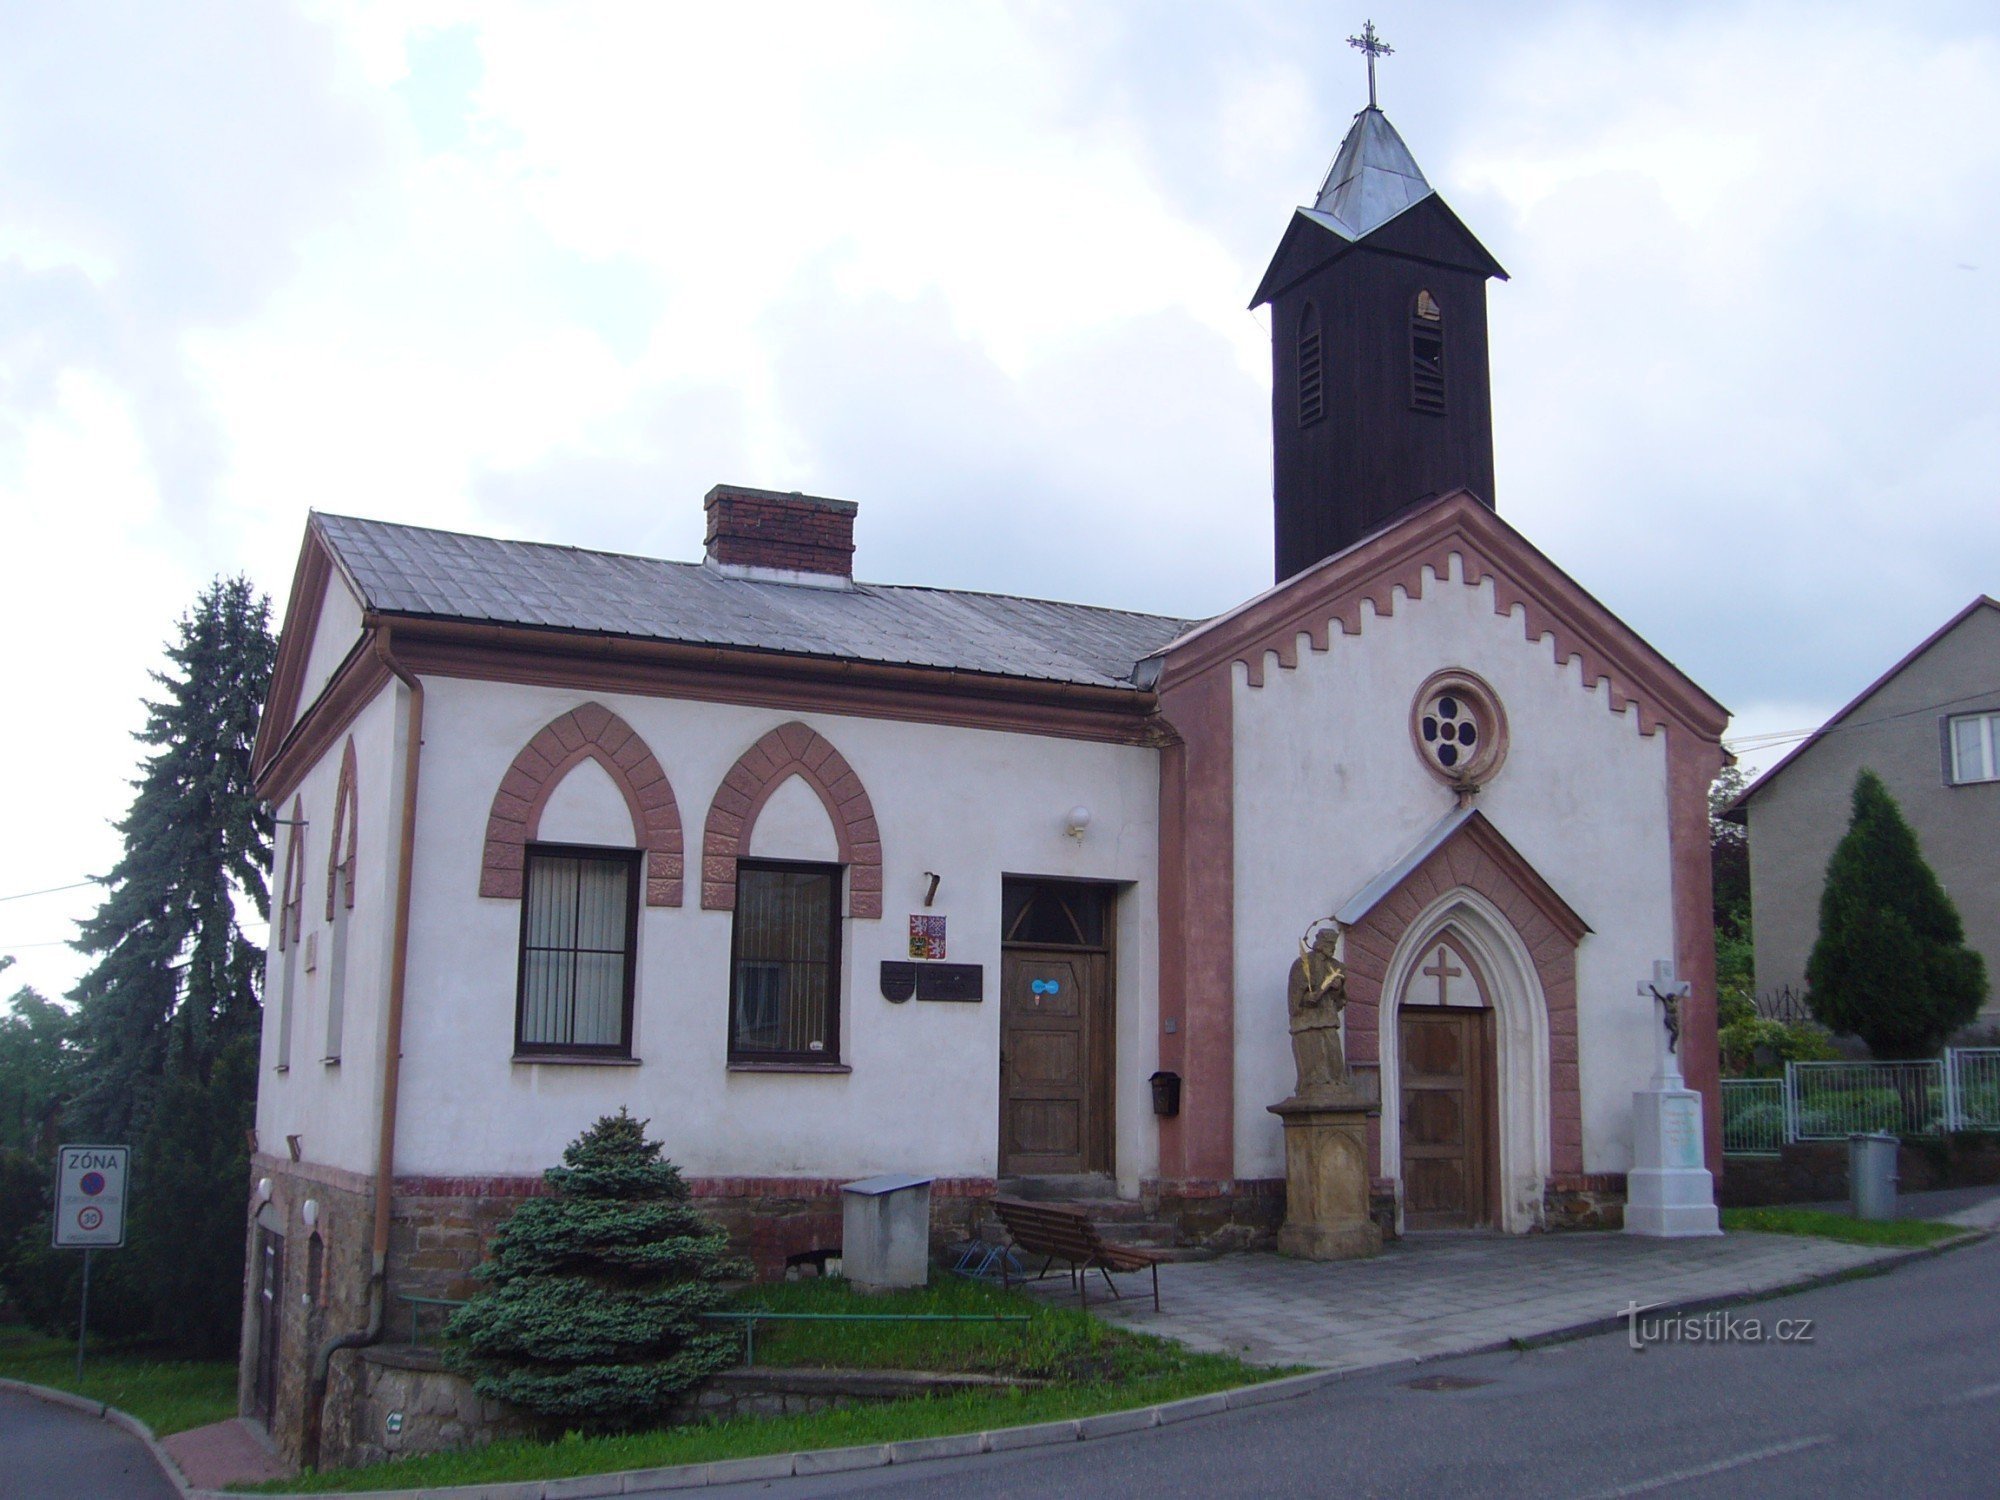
{"x": 792, "y": 749}
{"x": 1401, "y": 562}
{"x": 587, "y": 732}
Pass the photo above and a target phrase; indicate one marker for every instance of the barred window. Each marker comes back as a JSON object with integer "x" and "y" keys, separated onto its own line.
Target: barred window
{"x": 579, "y": 937}
{"x": 784, "y": 999}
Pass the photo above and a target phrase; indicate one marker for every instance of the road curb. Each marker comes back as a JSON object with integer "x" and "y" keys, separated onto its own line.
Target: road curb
{"x": 107, "y": 1413}
{"x": 997, "y": 1440}
{"x": 1715, "y": 1301}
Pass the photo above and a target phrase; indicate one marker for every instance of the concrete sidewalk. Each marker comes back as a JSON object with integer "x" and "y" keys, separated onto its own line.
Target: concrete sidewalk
{"x": 1430, "y": 1295}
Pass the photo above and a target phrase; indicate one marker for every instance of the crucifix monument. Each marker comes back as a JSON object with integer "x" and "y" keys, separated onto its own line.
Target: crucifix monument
{"x": 1668, "y": 1192}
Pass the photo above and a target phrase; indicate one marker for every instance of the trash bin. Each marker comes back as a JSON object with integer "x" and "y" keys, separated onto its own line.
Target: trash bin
{"x": 885, "y": 1225}
{"x": 1871, "y": 1175}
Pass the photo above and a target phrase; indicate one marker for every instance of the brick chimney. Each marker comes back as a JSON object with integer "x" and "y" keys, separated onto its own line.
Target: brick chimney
{"x": 805, "y": 538}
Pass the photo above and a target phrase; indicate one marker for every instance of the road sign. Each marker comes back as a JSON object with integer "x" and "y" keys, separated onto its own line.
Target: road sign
{"x": 90, "y": 1197}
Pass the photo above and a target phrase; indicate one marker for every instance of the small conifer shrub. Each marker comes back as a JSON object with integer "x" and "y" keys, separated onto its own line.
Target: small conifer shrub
{"x": 591, "y": 1316}
{"x": 1891, "y": 965}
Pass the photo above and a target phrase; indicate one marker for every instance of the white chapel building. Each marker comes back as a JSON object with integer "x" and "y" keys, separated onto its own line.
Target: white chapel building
{"x": 827, "y": 878}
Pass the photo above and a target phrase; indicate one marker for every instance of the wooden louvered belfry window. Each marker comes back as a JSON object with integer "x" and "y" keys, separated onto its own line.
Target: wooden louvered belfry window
{"x": 1312, "y": 367}
{"x": 1427, "y": 389}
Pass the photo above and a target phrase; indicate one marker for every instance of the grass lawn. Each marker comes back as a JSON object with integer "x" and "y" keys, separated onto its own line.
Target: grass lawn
{"x": 168, "y": 1395}
{"x": 1902, "y": 1232}
{"x": 1091, "y": 1368}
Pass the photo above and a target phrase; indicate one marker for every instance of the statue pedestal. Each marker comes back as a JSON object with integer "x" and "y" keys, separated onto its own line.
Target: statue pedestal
{"x": 1668, "y": 1192}
{"x": 1326, "y": 1172}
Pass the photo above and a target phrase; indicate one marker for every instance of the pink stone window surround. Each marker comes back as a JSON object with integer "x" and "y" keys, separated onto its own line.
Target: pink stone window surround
{"x": 790, "y": 750}
{"x": 1459, "y": 728}
{"x": 587, "y": 732}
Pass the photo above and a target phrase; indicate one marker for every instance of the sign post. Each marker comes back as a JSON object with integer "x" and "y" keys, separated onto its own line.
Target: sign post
{"x": 90, "y": 1212}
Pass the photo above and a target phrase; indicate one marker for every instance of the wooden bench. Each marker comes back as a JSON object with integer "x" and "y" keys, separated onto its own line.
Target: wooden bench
{"x": 1061, "y": 1233}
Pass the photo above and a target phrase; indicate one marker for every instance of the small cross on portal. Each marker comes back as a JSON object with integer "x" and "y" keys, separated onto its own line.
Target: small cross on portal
{"x": 1444, "y": 973}
{"x": 1374, "y": 47}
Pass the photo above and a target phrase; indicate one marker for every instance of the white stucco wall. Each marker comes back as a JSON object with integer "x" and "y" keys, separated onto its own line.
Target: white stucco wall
{"x": 1330, "y": 792}
{"x": 334, "y": 636}
{"x": 333, "y": 1106}
{"x": 923, "y": 1093}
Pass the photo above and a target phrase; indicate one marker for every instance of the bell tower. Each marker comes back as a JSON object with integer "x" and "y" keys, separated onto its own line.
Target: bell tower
{"x": 1379, "y": 388}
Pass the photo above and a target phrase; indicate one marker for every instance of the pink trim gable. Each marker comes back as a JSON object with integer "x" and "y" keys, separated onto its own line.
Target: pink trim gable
{"x": 1397, "y": 560}
{"x": 1476, "y": 858}
{"x": 790, "y": 750}
{"x": 587, "y": 732}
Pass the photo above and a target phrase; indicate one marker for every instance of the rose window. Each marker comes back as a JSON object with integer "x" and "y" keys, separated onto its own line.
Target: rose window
{"x": 1458, "y": 728}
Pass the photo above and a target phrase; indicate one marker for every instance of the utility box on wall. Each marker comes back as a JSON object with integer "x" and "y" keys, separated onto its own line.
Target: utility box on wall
{"x": 885, "y": 1225}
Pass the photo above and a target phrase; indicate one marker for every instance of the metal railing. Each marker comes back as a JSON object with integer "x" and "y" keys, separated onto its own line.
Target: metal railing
{"x": 1753, "y": 1116}
{"x": 1829, "y": 1101}
{"x": 749, "y": 1318}
{"x": 1972, "y": 1088}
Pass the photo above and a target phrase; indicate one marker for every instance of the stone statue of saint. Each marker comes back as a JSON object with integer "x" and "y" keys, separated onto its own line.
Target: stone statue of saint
{"x": 1315, "y": 997}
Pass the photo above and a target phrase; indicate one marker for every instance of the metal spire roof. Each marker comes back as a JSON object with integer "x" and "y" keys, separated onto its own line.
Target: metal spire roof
{"x": 1373, "y": 178}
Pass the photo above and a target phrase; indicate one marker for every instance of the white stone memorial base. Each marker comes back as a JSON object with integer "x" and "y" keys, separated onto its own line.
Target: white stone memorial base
{"x": 1668, "y": 1193}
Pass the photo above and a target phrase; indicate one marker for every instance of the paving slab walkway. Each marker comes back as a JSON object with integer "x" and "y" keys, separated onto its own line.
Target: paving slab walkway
{"x": 223, "y": 1453}
{"x": 1430, "y": 1295}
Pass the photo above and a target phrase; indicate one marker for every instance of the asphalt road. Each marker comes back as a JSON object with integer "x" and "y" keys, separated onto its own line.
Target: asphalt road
{"x": 1897, "y": 1391}
{"x": 50, "y": 1452}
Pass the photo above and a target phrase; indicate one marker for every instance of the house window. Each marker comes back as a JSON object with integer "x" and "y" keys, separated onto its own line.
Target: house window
{"x": 1427, "y": 354}
{"x": 784, "y": 995}
{"x": 579, "y": 937}
{"x": 1975, "y": 747}
{"x": 1312, "y": 368}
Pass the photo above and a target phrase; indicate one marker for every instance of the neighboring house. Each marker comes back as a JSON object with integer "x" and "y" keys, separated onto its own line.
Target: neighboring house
{"x": 827, "y": 878}
{"x": 1930, "y": 728}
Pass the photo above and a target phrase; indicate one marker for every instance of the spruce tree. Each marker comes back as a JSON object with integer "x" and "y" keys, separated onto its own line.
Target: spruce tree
{"x": 168, "y": 1018}
{"x": 1890, "y": 965}
{"x": 592, "y": 1315}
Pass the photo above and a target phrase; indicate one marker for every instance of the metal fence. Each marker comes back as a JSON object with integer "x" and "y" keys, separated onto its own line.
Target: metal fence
{"x": 1829, "y": 1101}
{"x": 1972, "y": 1088}
{"x": 1753, "y": 1116}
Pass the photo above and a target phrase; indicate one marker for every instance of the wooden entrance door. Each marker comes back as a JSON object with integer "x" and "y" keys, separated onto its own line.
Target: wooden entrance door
{"x": 270, "y": 1312}
{"x": 1446, "y": 1103}
{"x": 1054, "y": 1062}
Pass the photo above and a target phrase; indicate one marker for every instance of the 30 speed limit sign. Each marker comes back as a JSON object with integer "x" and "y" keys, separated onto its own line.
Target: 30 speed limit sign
{"x": 90, "y": 1197}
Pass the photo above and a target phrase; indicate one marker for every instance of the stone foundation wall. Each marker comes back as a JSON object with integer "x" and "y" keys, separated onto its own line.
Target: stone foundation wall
{"x": 325, "y": 1286}
{"x": 1239, "y": 1214}
{"x": 1594, "y": 1201}
{"x": 1816, "y": 1171}
{"x": 392, "y": 1400}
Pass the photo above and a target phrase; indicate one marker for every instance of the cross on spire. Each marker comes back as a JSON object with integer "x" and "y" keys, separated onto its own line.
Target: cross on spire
{"x": 1373, "y": 45}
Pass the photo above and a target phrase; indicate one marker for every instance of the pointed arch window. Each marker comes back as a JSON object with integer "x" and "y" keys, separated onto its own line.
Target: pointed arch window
{"x": 1312, "y": 367}
{"x": 1427, "y": 373}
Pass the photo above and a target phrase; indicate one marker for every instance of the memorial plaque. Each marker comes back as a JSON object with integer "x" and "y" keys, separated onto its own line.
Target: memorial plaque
{"x": 951, "y": 982}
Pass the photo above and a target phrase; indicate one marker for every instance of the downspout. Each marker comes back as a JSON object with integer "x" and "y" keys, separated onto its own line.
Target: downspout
{"x": 392, "y": 1065}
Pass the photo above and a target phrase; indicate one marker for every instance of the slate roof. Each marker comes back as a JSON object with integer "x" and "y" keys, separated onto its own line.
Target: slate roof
{"x": 413, "y": 570}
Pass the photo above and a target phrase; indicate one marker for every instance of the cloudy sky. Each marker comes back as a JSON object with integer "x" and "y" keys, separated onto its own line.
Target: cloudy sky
{"x": 550, "y": 271}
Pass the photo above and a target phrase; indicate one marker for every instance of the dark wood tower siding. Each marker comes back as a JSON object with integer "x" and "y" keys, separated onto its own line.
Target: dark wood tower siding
{"x": 1375, "y": 442}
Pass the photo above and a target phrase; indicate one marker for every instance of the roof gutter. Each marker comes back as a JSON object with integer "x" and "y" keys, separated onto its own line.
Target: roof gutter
{"x": 392, "y": 1062}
